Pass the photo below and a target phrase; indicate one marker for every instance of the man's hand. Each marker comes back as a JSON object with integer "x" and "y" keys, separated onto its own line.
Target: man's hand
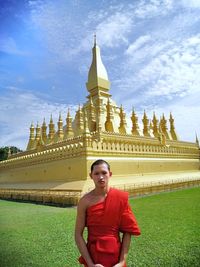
{"x": 120, "y": 264}
{"x": 96, "y": 265}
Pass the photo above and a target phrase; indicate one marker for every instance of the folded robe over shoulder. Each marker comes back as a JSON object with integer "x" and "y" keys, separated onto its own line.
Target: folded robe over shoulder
{"x": 105, "y": 220}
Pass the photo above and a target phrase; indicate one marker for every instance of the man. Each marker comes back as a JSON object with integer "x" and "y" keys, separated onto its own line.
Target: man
{"x": 106, "y": 212}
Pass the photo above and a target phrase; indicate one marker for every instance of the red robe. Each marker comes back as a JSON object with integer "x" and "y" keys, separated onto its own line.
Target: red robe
{"x": 105, "y": 220}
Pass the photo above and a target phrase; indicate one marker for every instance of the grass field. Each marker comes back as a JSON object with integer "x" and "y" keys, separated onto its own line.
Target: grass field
{"x": 34, "y": 235}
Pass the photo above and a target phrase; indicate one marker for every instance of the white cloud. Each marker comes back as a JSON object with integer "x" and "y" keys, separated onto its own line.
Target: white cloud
{"x": 8, "y": 45}
{"x": 142, "y": 40}
{"x": 55, "y": 26}
{"x": 175, "y": 72}
{"x": 68, "y": 31}
{"x": 113, "y": 31}
{"x": 195, "y": 40}
{"x": 162, "y": 65}
{"x": 191, "y": 3}
{"x": 153, "y": 8}
{"x": 19, "y": 109}
{"x": 68, "y": 35}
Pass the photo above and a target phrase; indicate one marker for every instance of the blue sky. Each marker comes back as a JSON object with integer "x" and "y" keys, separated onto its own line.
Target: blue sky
{"x": 151, "y": 50}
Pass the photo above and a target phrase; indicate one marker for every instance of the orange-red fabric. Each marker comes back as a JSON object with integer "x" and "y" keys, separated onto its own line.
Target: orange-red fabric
{"x": 104, "y": 221}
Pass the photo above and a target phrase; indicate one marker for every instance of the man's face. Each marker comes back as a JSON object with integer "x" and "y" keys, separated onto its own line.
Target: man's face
{"x": 100, "y": 175}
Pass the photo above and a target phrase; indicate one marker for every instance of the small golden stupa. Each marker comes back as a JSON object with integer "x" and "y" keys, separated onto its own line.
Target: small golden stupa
{"x": 61, "y": 158}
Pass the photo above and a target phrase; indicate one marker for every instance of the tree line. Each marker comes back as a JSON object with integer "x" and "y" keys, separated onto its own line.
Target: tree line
{"x": 4, "y": 151}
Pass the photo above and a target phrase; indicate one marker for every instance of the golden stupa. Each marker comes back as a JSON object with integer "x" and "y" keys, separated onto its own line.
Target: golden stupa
{"x": 61, "y": 159}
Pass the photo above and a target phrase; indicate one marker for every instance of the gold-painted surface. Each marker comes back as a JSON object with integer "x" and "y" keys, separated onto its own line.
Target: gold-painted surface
{"x": 63, "y": 197}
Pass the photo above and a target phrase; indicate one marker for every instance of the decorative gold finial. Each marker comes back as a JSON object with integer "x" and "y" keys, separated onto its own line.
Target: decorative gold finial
{"x": 44, "y": 122}
{"x": 60, "y": 118}
{"x": 163, "y": 125}
{"x": 51, "y": 119}
{"x": 60, "y": 133}
{"x": 145, "y": 121}
{"x": 172, "y": 128}
{"x": 122, "y": 126}
{"x": 197, "y": 140}
{"x": 51, "y": 130}
{"x": 95, "y": 39}
{"x": 97, "y": 76}
{"x": 79, "y": 121}
{"x": 109, "y": 117}
{"x": 68, "y": 130}
{"x": 134, "y": 119}
{"x": 155, "y": 125}
{"x": 44, "y": 134}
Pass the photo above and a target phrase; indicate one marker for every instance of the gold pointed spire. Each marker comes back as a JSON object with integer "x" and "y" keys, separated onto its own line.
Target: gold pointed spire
{"x": 135, "y": 127}
{"x": 51, "y": 130}
{"x": 145, "y": 121}
{"x": 161, "y": 135}
{"x": 44, "y": 122}
{"x": 60, "y": 118}
{"x": 38, "y": 138}
{"x": 155, "y": 126}
{"x": 44, "y": 133}
{"x": 68, "y": 130}
{"x": 163, "y": 123}
{"x": 86, "y": 134}
{"x": 51, "y": 119}
{"x": 79, "y": 121}
{"x": 31, "y": 142}
{"x": 38, "y": 132}
{"x": 60, "y": 133}
{"x": 32, "y": 129}
{"x": 122, "y": 126}
{"x": 97, "y": 76}
{"x": 197, "y": 140}
{"x": 109, "y": 117}
{"x": 172, "y": 128}
{"x": 95, "y": 39}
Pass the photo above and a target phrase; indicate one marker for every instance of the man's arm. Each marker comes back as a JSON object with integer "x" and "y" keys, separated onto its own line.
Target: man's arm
{"x": 79, "y": 228}
{"x": 126, "y": 240}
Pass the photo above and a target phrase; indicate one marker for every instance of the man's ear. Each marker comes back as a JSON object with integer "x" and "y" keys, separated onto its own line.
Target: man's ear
{"x": 110, "y": 174}
{"x": 90, "y": 175}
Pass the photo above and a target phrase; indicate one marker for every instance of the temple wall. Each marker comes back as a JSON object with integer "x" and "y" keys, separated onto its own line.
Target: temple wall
{"x": 70, "y": 163}
{"x": 61, "y": 170}
{"x": 138, "y": 166}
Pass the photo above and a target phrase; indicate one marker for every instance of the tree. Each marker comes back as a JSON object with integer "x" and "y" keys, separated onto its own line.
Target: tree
{"x": 4, "y": 151}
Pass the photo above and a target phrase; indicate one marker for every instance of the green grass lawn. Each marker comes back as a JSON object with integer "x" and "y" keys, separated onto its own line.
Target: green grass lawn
{"x": 34, "y": 235}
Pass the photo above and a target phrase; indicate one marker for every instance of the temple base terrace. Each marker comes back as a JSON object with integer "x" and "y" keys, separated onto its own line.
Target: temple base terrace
{"x": 68, "y": 194}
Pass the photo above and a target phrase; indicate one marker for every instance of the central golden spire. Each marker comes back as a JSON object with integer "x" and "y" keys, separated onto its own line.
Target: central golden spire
{"x": 97, "y": 76}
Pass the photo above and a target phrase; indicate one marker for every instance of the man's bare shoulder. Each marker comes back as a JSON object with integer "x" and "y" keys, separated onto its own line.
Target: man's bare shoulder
{"x": 85, "y": 200}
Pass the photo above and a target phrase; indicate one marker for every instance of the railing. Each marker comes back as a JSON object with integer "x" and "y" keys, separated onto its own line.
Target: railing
{"x": 42, "y": 196}
{"x": 71, "y": 197}
{"x": 141, "y": 189}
